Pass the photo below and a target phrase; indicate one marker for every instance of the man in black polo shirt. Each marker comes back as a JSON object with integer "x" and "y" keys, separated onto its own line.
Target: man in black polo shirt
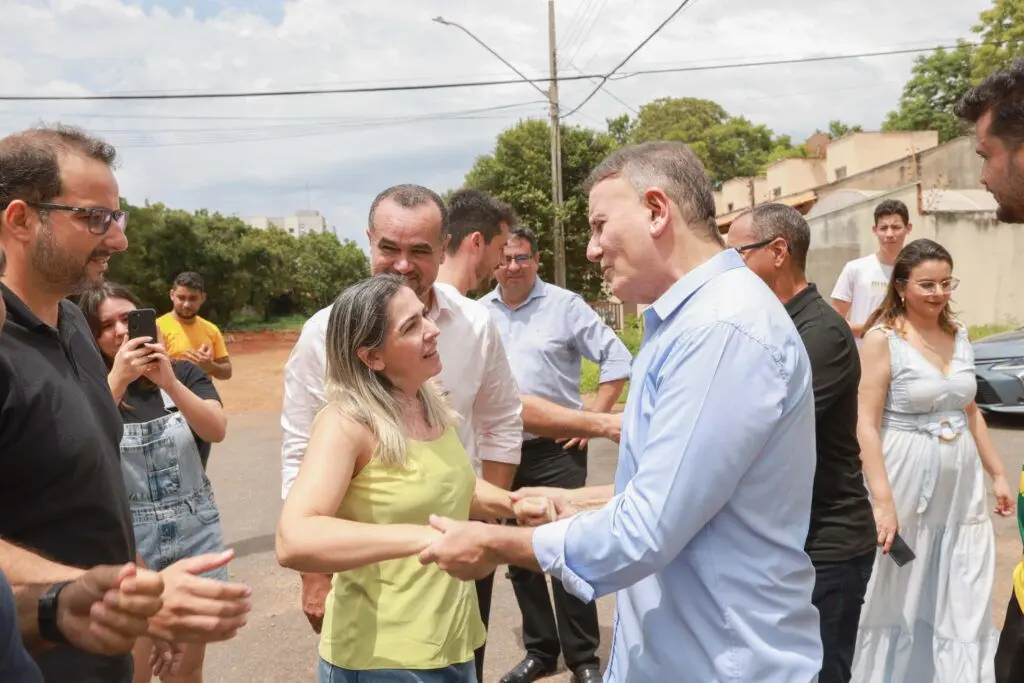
{"x": 62, "y": 495}
{"x": 774, "y": 239}
{"x": 112, "y": 629}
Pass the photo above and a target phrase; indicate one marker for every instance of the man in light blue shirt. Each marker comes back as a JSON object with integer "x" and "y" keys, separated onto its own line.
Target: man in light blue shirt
{"x": 702, "y": 537}
{"x": 546, "y": 331}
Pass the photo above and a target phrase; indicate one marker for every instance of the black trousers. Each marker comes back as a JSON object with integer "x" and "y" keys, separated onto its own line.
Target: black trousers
{"x": 839, "y": 589}
{"x": 1010, "y": 653}
{"x": 572, "y": 627}
{"x": 484, "y": 588}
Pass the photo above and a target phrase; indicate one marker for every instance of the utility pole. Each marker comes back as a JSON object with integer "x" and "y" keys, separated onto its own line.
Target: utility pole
{"x": 556, "y": 151}
{"x": 551, "y": 94}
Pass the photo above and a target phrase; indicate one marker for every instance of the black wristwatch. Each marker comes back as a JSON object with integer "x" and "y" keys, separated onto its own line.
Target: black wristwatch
{"x": 48, "y": 628}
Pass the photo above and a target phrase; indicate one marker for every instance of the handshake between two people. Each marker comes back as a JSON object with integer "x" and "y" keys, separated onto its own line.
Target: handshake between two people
{"x": 472, "y": 550}
{"x": 107, "y": 608}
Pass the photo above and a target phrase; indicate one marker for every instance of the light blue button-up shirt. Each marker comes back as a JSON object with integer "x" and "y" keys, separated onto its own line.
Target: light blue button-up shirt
{"x": 704, "y": 539}
{"x": 545, "y": 338}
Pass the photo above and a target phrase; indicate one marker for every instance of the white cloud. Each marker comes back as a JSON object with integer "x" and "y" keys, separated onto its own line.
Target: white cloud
{"x": 275, "y": 155}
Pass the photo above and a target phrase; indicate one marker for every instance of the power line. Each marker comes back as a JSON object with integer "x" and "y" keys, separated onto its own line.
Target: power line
{"x": 608, "y": 92}
{"x": 476, "y": 84}
{"x": 646, "y": 40}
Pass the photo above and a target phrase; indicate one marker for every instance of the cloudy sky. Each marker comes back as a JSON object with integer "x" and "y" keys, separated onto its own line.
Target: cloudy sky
{"x": 271, "y": 156}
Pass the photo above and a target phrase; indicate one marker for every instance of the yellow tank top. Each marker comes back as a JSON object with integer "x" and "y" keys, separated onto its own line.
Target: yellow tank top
{"x": 399, "y": 614}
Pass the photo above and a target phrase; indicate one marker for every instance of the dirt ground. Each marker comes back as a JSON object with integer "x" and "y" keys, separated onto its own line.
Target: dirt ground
{"x": 257, "y": 360}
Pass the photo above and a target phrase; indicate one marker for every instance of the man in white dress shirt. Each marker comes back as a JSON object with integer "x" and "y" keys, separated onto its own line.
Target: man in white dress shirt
{"x": 408, "y": 233}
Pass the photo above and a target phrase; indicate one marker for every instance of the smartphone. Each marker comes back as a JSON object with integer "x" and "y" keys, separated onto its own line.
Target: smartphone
{"x": 900, "y": 552}
{"x": 142, "y": 323}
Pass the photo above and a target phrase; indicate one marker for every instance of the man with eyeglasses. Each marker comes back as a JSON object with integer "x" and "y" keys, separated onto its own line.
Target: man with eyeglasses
{"x": 63, "y": 503}
{"x": 863, "y": 282}
{"x": 547, "y": 331}
{"x": 996, "y": 108}
{"x": 773, "y": 240}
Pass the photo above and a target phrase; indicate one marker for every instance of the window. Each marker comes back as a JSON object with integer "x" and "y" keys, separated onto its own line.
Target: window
{"x": 777, "y": 192}
{"x": 840, "y": 173}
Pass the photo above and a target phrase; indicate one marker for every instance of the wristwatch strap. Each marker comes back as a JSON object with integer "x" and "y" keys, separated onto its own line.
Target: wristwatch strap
{"x": 48, "y": 628}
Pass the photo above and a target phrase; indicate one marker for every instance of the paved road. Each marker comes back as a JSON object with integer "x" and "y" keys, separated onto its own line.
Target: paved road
{"x": 278, "y": 645}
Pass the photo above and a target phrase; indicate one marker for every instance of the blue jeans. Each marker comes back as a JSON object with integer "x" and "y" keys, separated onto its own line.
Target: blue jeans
{"x": 174, "y": 514}
{"x": 456, "y": 673}
{"x": 839, "y": 589}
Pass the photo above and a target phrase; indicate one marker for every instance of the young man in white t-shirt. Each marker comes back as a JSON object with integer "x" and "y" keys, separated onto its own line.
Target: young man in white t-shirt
{"x": 864, "y": 281}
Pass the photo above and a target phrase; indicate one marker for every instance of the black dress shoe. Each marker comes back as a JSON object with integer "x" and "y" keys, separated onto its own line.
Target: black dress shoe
{"x": 587, "y": 674}
{"x": 528, "y": 670}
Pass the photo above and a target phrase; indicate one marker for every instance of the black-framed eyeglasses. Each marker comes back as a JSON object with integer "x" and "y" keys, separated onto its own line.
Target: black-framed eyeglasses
{"x": 755, "y": 245}
{"x": 521, "y": 259}
{"x": 98, "y": 218}
{"x": 758, "y": 245}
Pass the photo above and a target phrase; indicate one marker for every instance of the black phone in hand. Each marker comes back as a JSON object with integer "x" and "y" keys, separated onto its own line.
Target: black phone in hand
{"x": 142, "y": 323}
{"x": 900, "y": 552}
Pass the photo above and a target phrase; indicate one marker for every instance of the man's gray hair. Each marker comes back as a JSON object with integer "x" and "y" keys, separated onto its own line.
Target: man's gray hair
{"x": 409, "y": 197}
{"x": 769, "y": 221}
{"x": 674, "y": 168}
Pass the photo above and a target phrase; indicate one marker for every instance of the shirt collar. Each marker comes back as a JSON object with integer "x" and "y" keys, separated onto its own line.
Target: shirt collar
{"x": 677, "y": 295}
{"x": 802, "y": 300}
{"x": 540, "y": 288}
{"x": 442, "y": 303}
{"x": 19, "y": 313}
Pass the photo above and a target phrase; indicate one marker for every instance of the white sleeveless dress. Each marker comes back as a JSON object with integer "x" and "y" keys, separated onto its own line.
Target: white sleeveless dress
{"x": 930, "y": 621}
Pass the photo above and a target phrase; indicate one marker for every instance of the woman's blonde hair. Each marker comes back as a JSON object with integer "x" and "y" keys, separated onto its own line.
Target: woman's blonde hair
{"x": 359, "y": 319}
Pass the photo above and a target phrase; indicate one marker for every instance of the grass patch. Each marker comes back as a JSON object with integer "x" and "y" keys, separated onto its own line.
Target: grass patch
{"x": 253, "y": 323}
{"x": 590, "y": 373}
{"x": 981, "y": 331}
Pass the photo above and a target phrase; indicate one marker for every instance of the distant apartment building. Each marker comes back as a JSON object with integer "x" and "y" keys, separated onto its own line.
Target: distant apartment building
{"x": 301, "y": 223}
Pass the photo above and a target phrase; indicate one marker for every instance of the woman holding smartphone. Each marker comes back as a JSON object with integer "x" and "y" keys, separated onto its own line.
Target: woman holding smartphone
{"x": 169, "y": 409}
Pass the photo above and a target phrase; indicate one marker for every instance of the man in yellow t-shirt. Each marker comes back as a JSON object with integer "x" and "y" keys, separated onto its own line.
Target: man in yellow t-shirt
{"x": 187, "y": 336}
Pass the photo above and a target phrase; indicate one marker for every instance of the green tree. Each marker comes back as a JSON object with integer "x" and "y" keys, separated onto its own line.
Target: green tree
{"x": 324, "y": 267}
{"x": 519, "y": 172}
{"x": 682, "y": 119}
{"x": 929, "y": 98}
{"x": 258, "y": 272}
{"x": 728, "y": 146}
{"x": 1001, "y": 29}
{"x": 837, "y": 129}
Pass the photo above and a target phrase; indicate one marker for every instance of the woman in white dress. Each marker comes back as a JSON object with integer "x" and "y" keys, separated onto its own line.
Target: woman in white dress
{"x": 929, "y": 621}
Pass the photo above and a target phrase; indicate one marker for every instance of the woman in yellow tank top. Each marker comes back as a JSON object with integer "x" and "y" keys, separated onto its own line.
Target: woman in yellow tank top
{"x": 382, "y": 457}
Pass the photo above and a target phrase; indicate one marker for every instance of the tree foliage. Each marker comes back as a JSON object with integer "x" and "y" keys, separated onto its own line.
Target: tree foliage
{"x": 729, "y": 146}
{"x": 1001, "y": 29}
{"x": 837, "y": 129}
{"x": 929, "y": 98}
{"x": 256, "y": 272}
{"x": 519, "y": 172}
{"x": 941, "y": 78}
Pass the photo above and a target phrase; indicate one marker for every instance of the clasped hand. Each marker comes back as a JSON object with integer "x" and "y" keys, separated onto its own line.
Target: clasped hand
{"x": 462, "y": 549}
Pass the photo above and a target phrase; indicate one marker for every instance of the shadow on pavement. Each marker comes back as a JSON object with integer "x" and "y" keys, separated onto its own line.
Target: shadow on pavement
{"x": 254, "y": 546}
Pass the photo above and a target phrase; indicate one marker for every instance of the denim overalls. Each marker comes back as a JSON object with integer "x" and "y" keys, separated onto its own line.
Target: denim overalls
{"x": 173, "y": 510}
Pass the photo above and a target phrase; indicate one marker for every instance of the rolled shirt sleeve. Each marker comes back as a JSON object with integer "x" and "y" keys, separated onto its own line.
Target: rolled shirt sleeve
{"x": 692, "y": 462}
{"x": 597, "y": 342}
{"x": 304, "y": 375}
{"x": 497, "y": 409}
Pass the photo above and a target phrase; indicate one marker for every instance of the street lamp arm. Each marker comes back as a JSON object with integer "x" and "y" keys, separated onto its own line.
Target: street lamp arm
{"x": 441, "y": 20}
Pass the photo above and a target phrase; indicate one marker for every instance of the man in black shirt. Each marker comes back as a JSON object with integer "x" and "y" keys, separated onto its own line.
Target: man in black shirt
{"x": 62, "y": 495}
{"x": 774, "y": 239}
